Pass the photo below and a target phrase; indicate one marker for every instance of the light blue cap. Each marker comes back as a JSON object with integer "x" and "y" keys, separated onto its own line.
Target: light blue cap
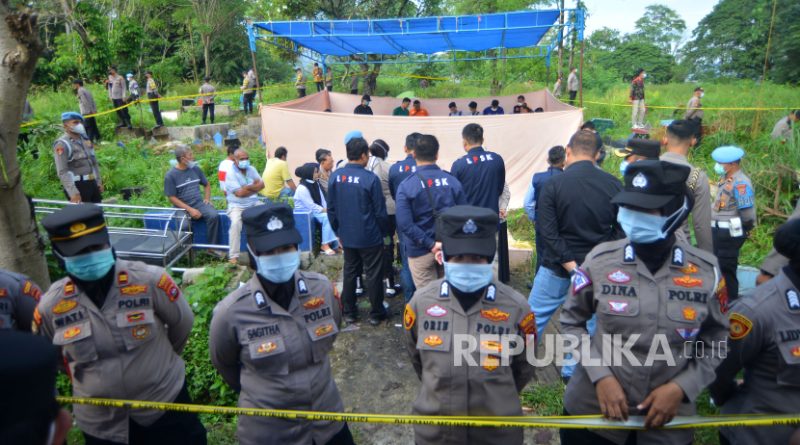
{"x": 69, "y": 115}
{"x": 727, "y": 154}
{"x": 352, "y": 135}
{"x": 129, "y": 75}
{"x": 232, "y": 134}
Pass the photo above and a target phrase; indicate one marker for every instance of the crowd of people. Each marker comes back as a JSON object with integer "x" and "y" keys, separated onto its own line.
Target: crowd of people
{"x": 617, "y": 258}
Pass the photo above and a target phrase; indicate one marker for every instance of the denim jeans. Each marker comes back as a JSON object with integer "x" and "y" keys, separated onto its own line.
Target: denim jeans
{"x": 548, "y": 294}
{"x": 328, "y": 235}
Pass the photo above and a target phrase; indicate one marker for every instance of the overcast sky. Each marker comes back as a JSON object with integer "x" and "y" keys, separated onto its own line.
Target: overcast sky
{"x": 622, "y": 14}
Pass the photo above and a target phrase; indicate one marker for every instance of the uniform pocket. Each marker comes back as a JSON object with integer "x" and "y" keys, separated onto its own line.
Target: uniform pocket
{"x": 789, "y": 363}
{"x": 77, "y": 342}
{"x": 686, "y": 313}
{"x": 137, "y": 327}
{"x": 269, "y": 355}
{"x": 618, "y": 306}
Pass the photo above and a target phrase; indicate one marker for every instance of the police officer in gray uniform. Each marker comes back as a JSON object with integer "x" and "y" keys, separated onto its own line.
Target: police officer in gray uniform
{"x": 270, "y": 338}
{"x": 493, "y": 317}
{"x": 765, "y": 342}
{"x": 76, "y": 164}
{"x": 121, "y": 326}
{"x": 774, "y": 261}
{"x": 18, "y": 299}
{"x": 650, "y": 288}
{"x": 733, "y": 214}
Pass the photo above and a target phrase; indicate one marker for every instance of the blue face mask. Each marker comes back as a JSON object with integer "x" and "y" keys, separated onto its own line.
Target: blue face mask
{"x": 644, "y": 228}
{"x": 244, "y": 164}
{"x": 90, "y": 266}
{"x": 278, "y": 268}
{"x": 623, "y": 166}
{"x": 719, "y": 169}
{"x": 468, "y": 277}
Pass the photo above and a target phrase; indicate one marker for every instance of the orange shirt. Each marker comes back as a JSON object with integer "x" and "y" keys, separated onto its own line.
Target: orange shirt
{"x": 422, "y": 112}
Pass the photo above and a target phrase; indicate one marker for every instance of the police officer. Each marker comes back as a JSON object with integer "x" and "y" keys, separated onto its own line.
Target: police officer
{"x": 18, "y": 298}
{"x": 133, "y": 88}
{"x": 76, "y": 164}
{"x": 660, "y": 294}
{"x": 270, "y": 338}
{"x": 151, "y": 89}
{"x": 121, "y": 326}
{"x": 765, "y": 341}
{"x": 733, "y": 214}
{"x": 494, "y": 318}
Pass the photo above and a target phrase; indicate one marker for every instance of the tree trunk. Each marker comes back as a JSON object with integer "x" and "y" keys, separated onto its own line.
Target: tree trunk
{"x": 573, "y": 38}
{"x": 194, "y": 57}
{"x": 207, "y": 53}
{"x": 19, "y": 238}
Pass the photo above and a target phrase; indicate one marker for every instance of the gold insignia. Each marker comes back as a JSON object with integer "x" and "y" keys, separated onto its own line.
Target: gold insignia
{"x": 433, "y": 340}
{"x": 64, "y": 306}
{"x": 494, "y": 314}
{"x": 740, "y": 326}
{"x": 409, "y": 317}
{"x": 323, "y": 330}
{"x": 77, "y": 228}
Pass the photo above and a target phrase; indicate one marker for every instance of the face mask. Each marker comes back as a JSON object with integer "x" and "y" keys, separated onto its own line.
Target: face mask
{"x": 90, "y": 266}
{"x": 644, "y": 228}
{"x": 702, "y": 94}
{"x": 244, "y": 164}
{"x": 623, "y": 166}
{"x": 173, "y": 162}
{"x": 644, "y": 75}
{"x": 278, "y": 268}
{"x": 719, "y": 169}
{"x": 191, "y": 164}
{"x": 468, "y": 277}
{"x": 79, "y": 129}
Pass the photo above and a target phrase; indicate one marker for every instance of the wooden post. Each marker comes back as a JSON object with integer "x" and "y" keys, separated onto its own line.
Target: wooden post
{"x": 580, "y": 79}
{"x": 255, "y": 71}
{"x": 251, "y": 37}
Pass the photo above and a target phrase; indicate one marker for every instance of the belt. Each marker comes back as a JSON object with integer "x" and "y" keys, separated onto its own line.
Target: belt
{"x": 89, "y": 177}
{"x": 720, "y": 224}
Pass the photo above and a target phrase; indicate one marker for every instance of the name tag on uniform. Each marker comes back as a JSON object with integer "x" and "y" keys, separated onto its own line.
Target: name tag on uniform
{"x": 322, "y": 330}
{"x": 266, "y": 347}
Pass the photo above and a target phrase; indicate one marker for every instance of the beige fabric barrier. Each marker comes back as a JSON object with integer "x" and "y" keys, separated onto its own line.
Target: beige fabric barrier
{"x": 522, "y": 140}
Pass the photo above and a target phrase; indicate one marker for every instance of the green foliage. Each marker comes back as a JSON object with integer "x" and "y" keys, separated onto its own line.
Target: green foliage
{"x": 634, "y": 54}
{"x": 544, "y": 400}
{"x": 661, "y": 26}
{"x": 204, "y": 382}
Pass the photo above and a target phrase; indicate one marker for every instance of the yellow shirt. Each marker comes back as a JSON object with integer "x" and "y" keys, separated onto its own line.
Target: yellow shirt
{"x": 275, "y": 175}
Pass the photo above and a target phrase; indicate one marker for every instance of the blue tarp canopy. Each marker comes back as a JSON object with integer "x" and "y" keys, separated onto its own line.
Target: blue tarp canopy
{"x": 423, "y": 35}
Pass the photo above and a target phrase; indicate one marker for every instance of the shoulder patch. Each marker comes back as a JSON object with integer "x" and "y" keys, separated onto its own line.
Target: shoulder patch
{"x": 261, "y": 302}
{"x": 722, "y": 295}
{"x": 491, "y": 293}
{"x": 528, "y": 324}
{"x": 740, "y": 326}
{"x": 628, "y": 255}
{"x": 444, "y": 290}
{"x": 792, "y": 300}
{"x": 409, "y": 317}
{"x": 169, "y": 287}
{"x": 301, "y": 286}
{"x": 677, "y": 257}
{"x": 580, "y": 280}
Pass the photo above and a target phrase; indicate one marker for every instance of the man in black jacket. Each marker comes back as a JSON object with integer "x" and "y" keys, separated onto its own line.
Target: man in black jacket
{"x": 574, "y": 214}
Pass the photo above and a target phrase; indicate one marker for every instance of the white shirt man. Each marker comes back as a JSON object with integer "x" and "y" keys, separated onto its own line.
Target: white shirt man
{"x": 242, "y": 184}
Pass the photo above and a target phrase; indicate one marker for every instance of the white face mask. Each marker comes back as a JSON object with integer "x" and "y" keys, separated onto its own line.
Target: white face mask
{"x": 79, "y": 129}
{"x": 702, "y": 94}
{"x": 644, "y": 75}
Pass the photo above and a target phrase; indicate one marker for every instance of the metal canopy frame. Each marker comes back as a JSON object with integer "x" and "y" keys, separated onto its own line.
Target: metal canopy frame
{"x": 326, "y": 29}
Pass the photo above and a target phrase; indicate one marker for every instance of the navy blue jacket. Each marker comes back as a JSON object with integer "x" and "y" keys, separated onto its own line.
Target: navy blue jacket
{"x": 483, "y": 175}
{"x": 415, "y": 219}
{"x": 356, "y": 207}
{"x": 399, "y": 172}
{"x": 538, "y": 181}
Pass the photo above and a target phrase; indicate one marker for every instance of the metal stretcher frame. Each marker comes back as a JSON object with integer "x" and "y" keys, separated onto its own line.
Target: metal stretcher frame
{"x": 175, "y": 236}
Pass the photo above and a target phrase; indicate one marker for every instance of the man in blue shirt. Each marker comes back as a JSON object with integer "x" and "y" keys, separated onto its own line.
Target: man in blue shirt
{"x": 495, "y": 108}
{"x": 397, "y": 174}
{"x": 420, "y": 199}
{"x": 556, "y": 157}
{"x": 482, "y": 173}
{"x": 357, "y": 213}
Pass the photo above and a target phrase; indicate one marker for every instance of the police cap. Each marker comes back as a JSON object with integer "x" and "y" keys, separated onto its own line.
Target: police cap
{"x": 648, "y": 148}
{"x": 652, "y": 184}
{"x": 269, "y": 226}
{"x": 467, "y": 230}
{"x": 76, "y": 227}
{"x": 727, "y": 154}
{"x": 28, "y": 365}
{"x": 787, "y": 240}
{"x": 70, "y": 115}
{"x": 352, "y": 135}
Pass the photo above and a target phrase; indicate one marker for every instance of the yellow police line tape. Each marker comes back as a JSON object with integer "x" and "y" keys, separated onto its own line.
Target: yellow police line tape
{"x": 569, "y": 422}
{"x": 663, "y": 107}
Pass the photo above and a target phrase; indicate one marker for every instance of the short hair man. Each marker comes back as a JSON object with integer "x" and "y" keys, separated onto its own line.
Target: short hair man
{"x": 318, "y": 77}
{"x": 574, "y": 215}
{"x": 417, "y": 109}
{"x": 493, "y": 109}
{"x": 242, "y": 185}
{"x": 181, "y": 187}
{"x": 117, "y": 93}
{"x": 573, "y": 85}
{"x": 300, "y": 82}
{"x": 421, "y": 198}
{"x": 76, "y": 165}
{"x": 482, "y": 173}
{"x": 473, "y": 109}
{"x": 208, "y": 91}
{"x": 363, "y": 107}
{"x": 151, "y": 89}
{"x": 678, "y": 140}
{"x": 397, "y": 174}
{"x": 402, "y": 110}
{"x": 636, "y": 99}
{"x": 454, "y": 111}
{"x": 325, "y": 160}
{"x": 783, "y": 128}
{"x": 556, "y": 157}
{"x": 357, "y": 213}
{"x": 694, "y": 113}
{"x": 278, "y": 183}
{"x": 87, "y": 107}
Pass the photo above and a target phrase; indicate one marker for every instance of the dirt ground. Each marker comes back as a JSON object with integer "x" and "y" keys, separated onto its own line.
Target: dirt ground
{"x": 374, "y": 375}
